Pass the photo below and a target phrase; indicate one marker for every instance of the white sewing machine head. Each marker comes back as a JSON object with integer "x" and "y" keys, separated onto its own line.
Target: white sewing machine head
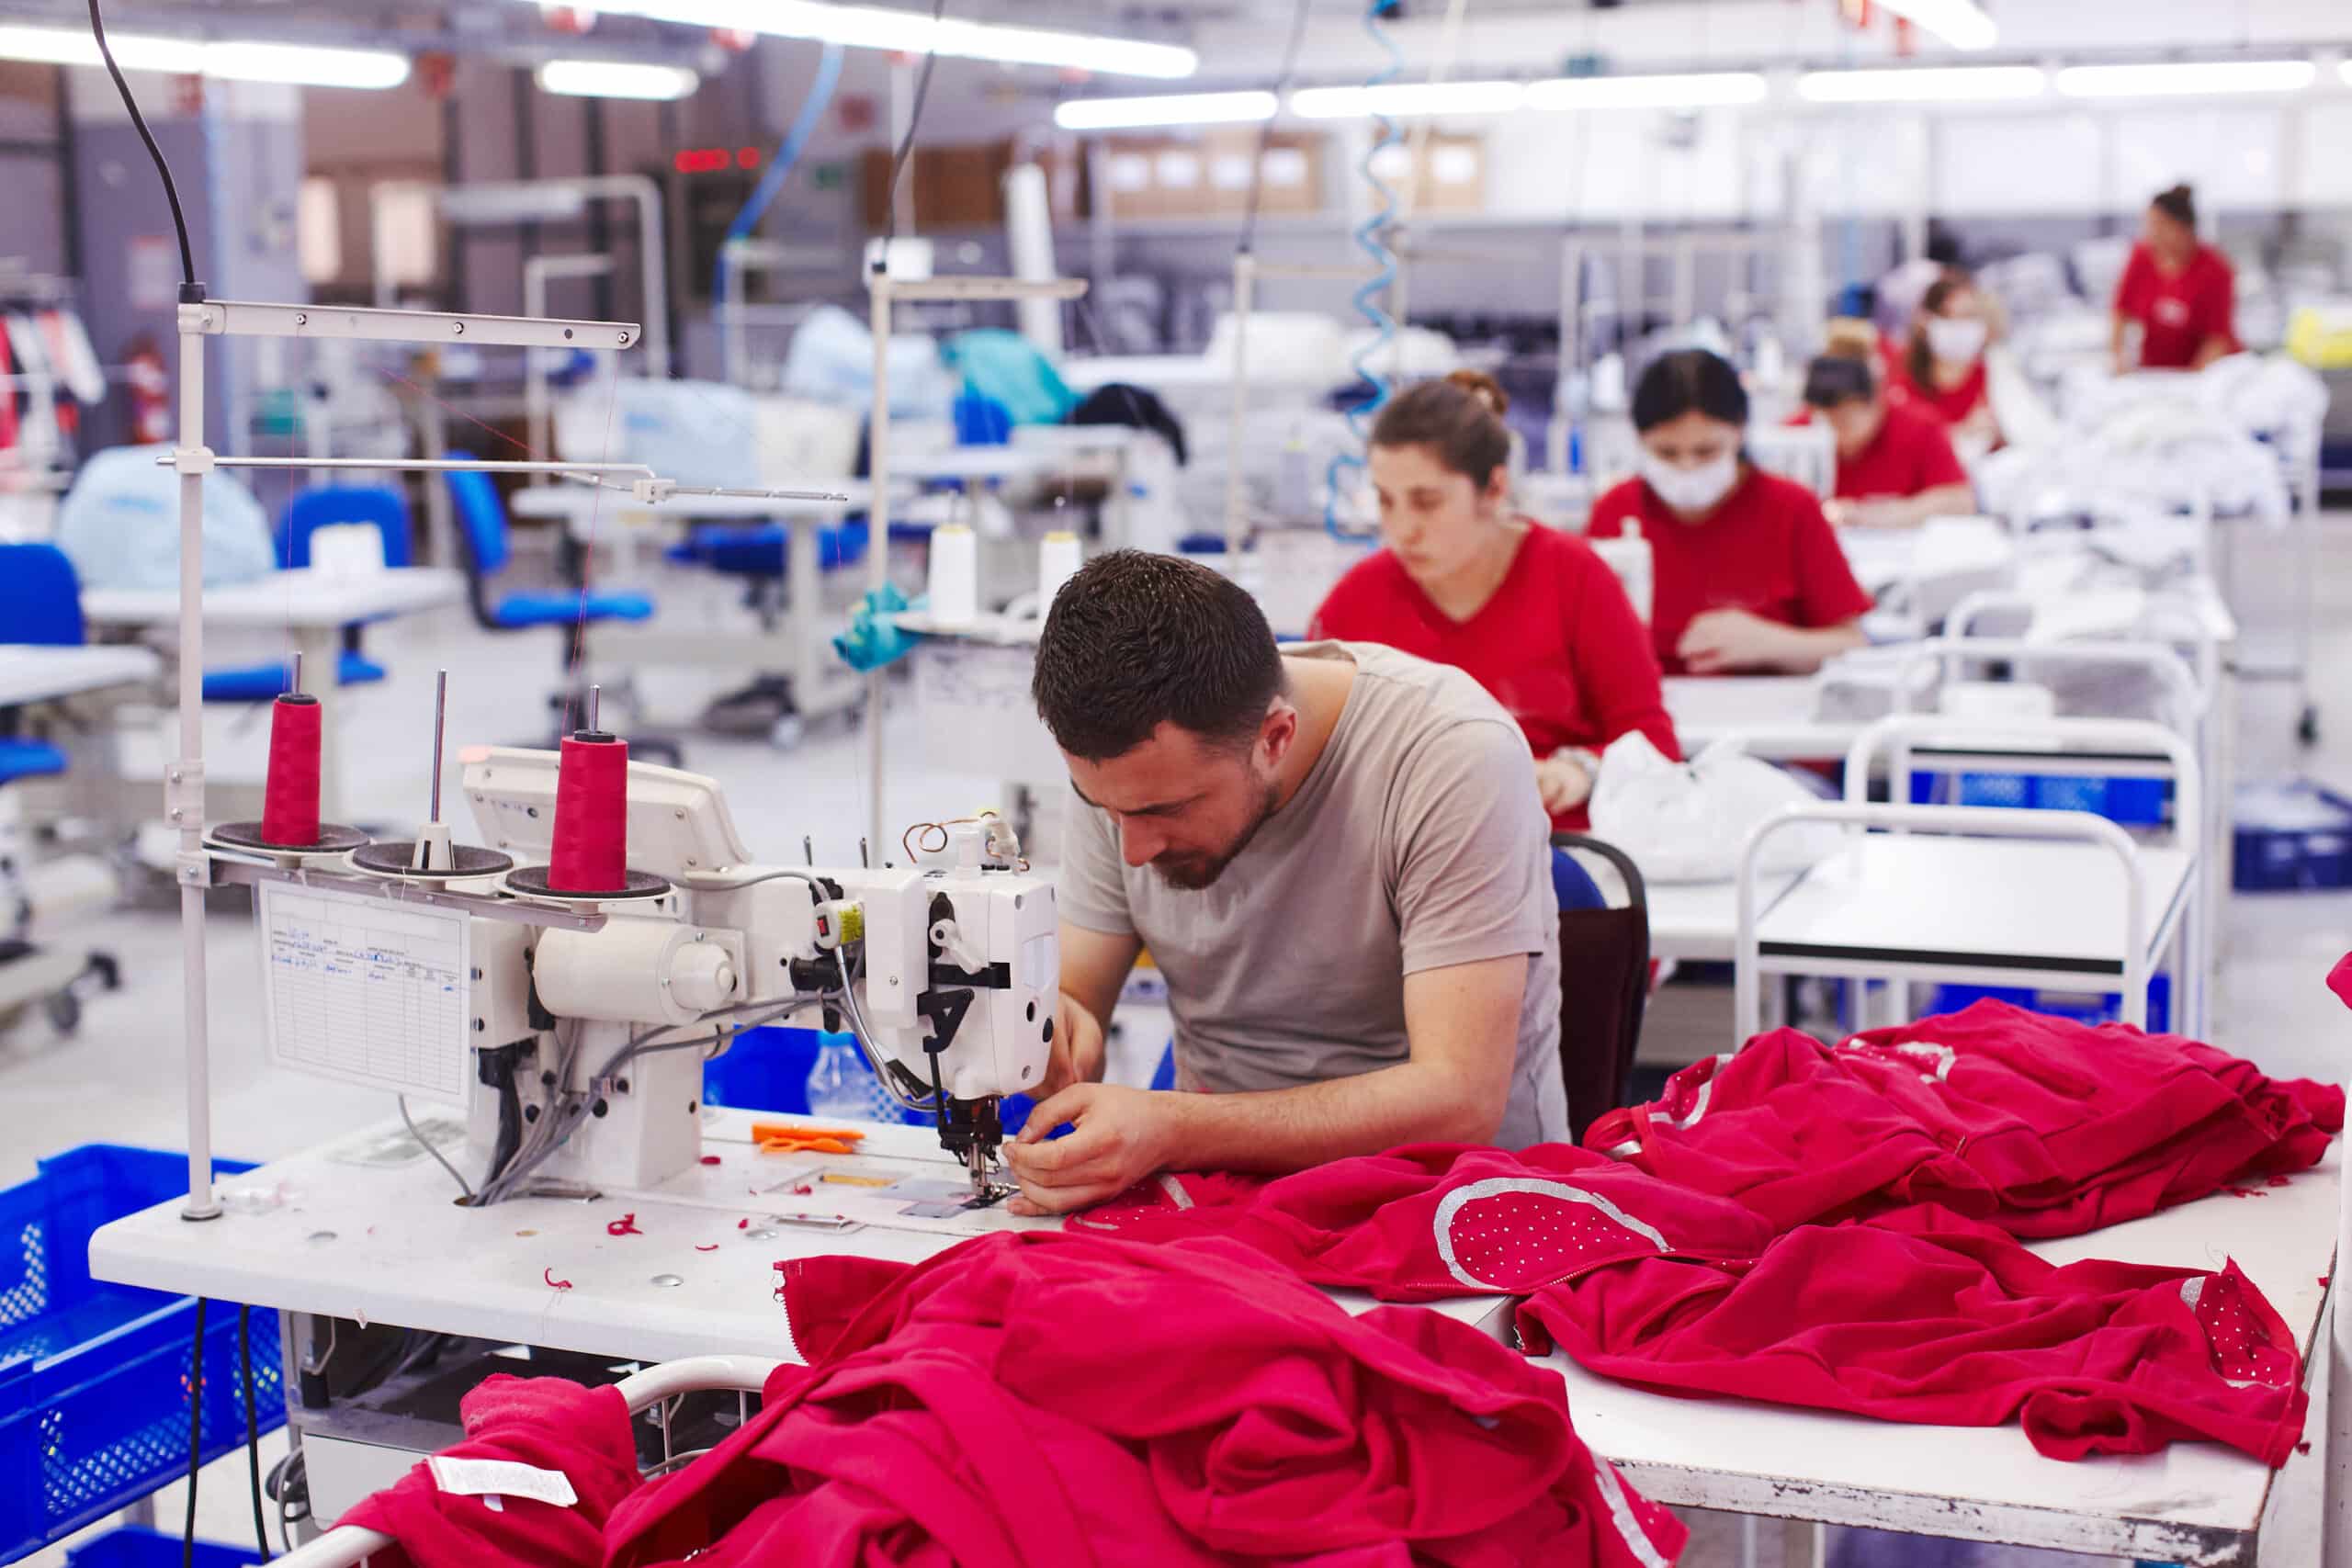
{"x": 948, "y": 976}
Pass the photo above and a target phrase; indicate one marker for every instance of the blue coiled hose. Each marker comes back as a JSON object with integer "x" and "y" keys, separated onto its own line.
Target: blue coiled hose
{"x": 1369, "y": 239}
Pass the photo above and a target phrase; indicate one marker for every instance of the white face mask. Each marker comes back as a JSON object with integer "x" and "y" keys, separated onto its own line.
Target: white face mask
{"x": 1690, "y": 490}
{"x": 1955, "y": 340}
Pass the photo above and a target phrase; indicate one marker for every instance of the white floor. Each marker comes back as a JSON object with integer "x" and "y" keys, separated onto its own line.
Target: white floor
{"x": 119, "y": 1080}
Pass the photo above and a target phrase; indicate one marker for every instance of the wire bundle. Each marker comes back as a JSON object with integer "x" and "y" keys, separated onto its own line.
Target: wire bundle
{"x": 1371, "y": 239}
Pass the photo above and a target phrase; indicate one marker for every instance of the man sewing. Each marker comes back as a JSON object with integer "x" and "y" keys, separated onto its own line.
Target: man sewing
{"x": 1335, "y": 854}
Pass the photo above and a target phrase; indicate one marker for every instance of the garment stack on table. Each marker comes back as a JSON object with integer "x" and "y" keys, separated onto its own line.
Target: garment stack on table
{"x": 1065, "y": 1398}
{"x": 1835, "y": 1228}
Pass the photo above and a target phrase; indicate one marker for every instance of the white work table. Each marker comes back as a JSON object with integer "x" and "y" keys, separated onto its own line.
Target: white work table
{"x": 313, "y": 605}
{"x": 1998, "y": 911}
{"x": 1699, "y": 921}
{"x": 388, "y": 1245}
{"x": 40, "y": 672}
{"x": 391, "y": 1245}
{"x": 819, "y": 685}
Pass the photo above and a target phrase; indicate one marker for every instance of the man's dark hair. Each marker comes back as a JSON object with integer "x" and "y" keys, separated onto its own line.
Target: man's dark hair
{"x": 1137, "y": 639}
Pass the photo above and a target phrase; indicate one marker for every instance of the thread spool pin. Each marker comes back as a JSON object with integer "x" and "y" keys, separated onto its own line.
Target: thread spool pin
{"x": 440, "y": 727}
{"x": 294, "y": 685}
{"x": 596, "y": 705}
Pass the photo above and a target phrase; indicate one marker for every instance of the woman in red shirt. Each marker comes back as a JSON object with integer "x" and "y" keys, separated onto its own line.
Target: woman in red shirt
{"x": 2182, "y": 294}
{"x": 1941, "y": 366}
{"x": 1895, "y": 466}
{"x": 1531, "y": 613}
{"x": 1749, "y": 575}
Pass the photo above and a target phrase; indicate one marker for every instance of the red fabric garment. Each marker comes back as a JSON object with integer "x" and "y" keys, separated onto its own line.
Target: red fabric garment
{"x": 1925, "y": 1317}
{"x": 2040, "y": 1125}
{"x": 1765, "y": 549}
{"x": 547, "y": 1422}
{"x": 1430, "y": 1221}
{"x": 1951, "y": 405}
{"x": 1917, "y": 1314}
{"x": 1911, "y": 453}
{"x": 1072, "y": 1399}
{"x": 1557, "y": 644}
{"x": 2339, "y": 980}
{"x": 2178, "y": 313}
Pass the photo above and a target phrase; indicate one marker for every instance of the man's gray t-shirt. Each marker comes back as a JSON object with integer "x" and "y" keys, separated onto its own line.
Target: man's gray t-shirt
{"x": 1417, "y": 842}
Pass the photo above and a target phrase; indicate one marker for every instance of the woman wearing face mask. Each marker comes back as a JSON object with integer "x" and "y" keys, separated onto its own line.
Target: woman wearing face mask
{"x": 1941, "y": 367}
{"x": 1749, "y": 577}
{"x": 1895, "y": 465}
{"x": 1531, "y": 614}
{"x": 2181, "y": 294}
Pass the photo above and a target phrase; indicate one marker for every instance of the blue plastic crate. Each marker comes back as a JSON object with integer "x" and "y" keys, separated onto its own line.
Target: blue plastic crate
{"x": 2134, "y": 803}
{"x": 135, "y": 1547}
{"x": 94, "y": 1377}
{"x": 2078, "y": 1006}
{"x": 2290, "y": 838}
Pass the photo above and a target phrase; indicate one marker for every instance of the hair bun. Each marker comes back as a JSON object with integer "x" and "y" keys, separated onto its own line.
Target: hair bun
{"x": 1484, "y": 387}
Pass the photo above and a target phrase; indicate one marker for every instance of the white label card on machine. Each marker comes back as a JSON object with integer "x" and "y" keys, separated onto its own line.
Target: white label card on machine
{"x": 502, "y": 1478}
{"x": 366, "y": 990}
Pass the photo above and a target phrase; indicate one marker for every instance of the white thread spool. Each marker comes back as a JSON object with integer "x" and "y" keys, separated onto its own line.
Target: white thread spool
{"x": 1628, "y": 555}
{"x": 955, "y": 574}
{"x": 1059, "y": 556}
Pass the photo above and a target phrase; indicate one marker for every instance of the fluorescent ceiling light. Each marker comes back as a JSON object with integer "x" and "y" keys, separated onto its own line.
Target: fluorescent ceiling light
{"x": 616, "y": 79}
{"x": 1944, "y": 85}
{"x": 2183, "y": 78}
{"x": 1960, "y": 23}
{"x": 1404, "y": 100}
{"x": 911, "y": 32}
{"x": 1174, "y": 108}
{"x": 1691, "y": 91}
{"x": 296, "y": 64}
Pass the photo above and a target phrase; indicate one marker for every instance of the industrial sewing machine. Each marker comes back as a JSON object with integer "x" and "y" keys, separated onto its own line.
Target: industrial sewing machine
{"x": 589, "y": 1045}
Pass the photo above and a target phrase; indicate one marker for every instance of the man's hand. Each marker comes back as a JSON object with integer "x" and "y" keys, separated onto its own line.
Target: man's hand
{"x": 1721, "y": 640}
{"x": 1078, "y": 1048}
{"x": 1562, "y": 785}
{"x": 1121, "y": 1135}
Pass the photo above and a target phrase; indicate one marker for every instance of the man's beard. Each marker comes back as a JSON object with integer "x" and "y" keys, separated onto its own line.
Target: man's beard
{"x": 1191, "y": 873}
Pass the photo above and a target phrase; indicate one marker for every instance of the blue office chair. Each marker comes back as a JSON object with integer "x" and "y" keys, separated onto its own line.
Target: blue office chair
{"x": 40, "y": 602}
{"x": 1605, "y": 979}
{"x": 305, "y": 515}
{"x": 482, "y": 541}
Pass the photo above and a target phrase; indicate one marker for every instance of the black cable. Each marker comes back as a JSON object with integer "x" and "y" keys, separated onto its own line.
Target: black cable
{"x": 253, "y": 1426}
{"x": 907, "y": 143}
{"x": 171, "y": 191}
{"x": 195, "y": 1413}
{"x": 1266, "y": 127}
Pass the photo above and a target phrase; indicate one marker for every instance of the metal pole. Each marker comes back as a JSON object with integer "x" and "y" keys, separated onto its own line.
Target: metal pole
{"x": 877, "y": 528}
{"x": 440, "y": 726}
{"x": 652, "y": 240}
{"x": 596, "y": 705}
{"x": 1245, "y": 296}
{"x": 184, "y": 782}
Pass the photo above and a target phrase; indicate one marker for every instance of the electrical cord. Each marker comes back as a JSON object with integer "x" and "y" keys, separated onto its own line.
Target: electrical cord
{"x": 438, "y": 1157}
{"x": 859, "y": 1031}
{"x": 906, "y": 143}
{"x": 194, "y": 1414}
{"x": 171, "y": 191}
{"x": 253, "y": 1425}
{"x": 1266, "y": 127}
{"x": 796, "y": 141}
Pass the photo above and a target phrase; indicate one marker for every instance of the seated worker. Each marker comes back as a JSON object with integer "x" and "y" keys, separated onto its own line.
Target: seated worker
{"x": 1941, "y": 367}
{"x": 1895, "y": 465}
{"x": 1748, "y": 574}
{"x": 2180, "y": 293}
{"x": 1335, "y": 854}
{"x": 1533, "y": 615}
